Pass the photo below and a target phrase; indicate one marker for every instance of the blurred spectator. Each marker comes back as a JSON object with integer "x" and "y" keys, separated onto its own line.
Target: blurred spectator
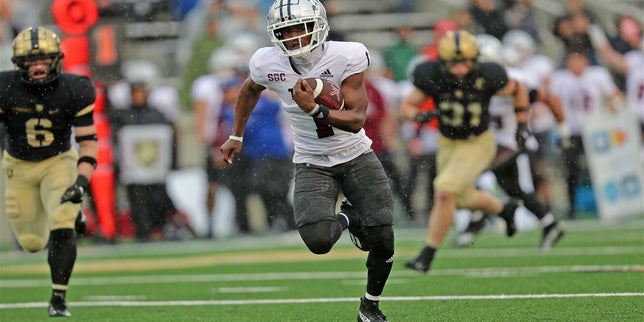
{"x": 400, "y": 54}
{"x": 486, "y": 14}
{"x": 144, "y": 140}
{"x": 264, "y": 165}
{"x": 201, "y": 48}
{"x": 439, "y": 29}
{"x": 332, "y": 9}
{"x": 207, "y": 99}
{"x": 382, "y": 124}
{"x": 583, "y": 89}
{"x": 572, "y": 28}
{"x": 627, "y": 38}
{"x": 629, "y": 65}
{"x": 520, "y": 14}
{"x": 268, "y": 148}
{"x": 464, "y": 19}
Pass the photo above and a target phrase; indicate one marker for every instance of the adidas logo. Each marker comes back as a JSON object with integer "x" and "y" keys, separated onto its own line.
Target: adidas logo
{"x": 326, "y": 73}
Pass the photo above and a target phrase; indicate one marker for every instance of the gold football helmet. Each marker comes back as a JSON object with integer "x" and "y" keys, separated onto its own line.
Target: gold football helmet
{"x": 457, "y": 46}
{"x": 37, "y": 43}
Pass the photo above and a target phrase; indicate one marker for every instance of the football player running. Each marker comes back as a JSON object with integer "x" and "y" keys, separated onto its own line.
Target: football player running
{"x": 332, "y": 152}
{"x": 505, "y": 168}
{"x": 462, "y": 88}
{"x": 46, "y": 178}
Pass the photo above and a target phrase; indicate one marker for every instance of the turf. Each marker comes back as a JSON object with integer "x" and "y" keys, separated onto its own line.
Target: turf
{"x": 596, "y": 273}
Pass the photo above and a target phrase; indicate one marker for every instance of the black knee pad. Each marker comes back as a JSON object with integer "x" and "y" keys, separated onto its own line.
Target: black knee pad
{"x": 381, "y": 241}
{"x": 320, "y": 237}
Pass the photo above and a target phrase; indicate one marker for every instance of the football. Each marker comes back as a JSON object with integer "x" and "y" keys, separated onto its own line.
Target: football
{"x": 326, "y": 93}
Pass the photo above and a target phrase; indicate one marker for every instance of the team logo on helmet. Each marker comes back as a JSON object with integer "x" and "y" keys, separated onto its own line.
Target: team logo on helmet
{"x": 37, "y": 43}
{"x": 457, "y": 46}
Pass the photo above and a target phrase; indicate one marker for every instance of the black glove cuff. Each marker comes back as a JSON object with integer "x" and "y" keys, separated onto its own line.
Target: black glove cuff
{"x": 82, "y": 181}
{"x": 425, "y": 117}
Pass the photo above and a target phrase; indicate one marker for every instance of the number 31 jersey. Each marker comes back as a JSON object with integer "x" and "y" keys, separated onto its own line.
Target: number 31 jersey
{"x": 463, "y": 103}
{"x": 315, "y": 142}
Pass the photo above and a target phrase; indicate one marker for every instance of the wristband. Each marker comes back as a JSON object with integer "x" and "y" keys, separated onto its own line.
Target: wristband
{"x": 322, "y": 113}
{"x": 236, "y": 138}
{"x": 314, "y": 111}
{"x": 519, "y": 109}
{"x": 87, "y": 159}
{"x": 91, "y": 137}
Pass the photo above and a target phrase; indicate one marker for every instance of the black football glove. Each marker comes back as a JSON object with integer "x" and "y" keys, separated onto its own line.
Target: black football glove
{"x": 76, "y": 191}
{"x": 522, "y": 135}
{"x": 425, "y": 117}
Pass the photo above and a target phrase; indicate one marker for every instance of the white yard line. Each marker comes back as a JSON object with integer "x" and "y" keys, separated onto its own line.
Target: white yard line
{"x": 289, "y": 276}
{"x": 318, "y": 300}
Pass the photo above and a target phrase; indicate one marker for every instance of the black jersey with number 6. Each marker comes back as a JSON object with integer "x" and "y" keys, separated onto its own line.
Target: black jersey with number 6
{"x": 463, "y": 103}
{"x": 38, "y": 118}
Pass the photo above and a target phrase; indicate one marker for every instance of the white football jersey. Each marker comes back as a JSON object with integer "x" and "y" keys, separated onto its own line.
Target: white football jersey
{"x": 315, "y": 142}
{"x": 582, "y": 95}
{"x": 207, "y": 89}
{"x": 537, "y": 71}
{"x": 635, "y": 82}
{"x": 504, "y": 119}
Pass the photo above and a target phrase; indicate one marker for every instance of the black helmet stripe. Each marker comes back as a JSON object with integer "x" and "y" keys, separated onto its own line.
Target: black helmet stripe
{"x": 285, "y": 6}
{"x": 34, "y": 38}
{"x": 457, "y": 43}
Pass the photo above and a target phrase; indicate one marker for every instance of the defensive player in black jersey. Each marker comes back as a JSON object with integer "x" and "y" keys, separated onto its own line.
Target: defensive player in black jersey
{"x": 462, "y": 88}
{"x": 46, "y": 177}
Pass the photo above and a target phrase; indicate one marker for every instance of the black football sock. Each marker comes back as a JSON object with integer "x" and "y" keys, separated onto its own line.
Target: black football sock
{"x": 58, "y": 296}
{"x": 380, "y": 258}
{"x": 61, "y": 255}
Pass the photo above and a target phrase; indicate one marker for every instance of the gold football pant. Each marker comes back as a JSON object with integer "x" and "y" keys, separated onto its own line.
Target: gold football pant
{"x": 33, "y": 195}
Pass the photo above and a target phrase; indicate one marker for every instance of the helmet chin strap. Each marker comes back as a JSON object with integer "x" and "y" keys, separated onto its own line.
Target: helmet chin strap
{"x": 306, "y": 62}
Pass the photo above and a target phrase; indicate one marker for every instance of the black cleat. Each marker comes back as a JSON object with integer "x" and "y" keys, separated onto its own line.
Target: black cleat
{"x": 466, "y": 237}
{"x": 507, "y": 214}
{"x": 356, "y": 233}
{"x": 418, "y": 265}
{"x": 58, "y": 309}
{"x": 369, "y": 312}
{"x": 80, "y": 225}
{"x": 551, "y": 235}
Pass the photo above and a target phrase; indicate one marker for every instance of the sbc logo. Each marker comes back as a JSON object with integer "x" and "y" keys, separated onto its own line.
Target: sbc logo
{"x": 603, "y": 141}
{"x": 627, "y": 187}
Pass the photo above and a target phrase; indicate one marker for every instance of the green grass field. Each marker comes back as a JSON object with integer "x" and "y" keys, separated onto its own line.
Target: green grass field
{"x": 596, "y": 273}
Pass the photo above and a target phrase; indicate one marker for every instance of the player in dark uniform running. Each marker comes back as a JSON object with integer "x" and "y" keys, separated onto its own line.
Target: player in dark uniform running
{"x": 46, "y": 178}
{"x": 462, "y": 88}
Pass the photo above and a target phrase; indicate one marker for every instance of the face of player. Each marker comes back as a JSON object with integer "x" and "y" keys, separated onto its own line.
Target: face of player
{"x": 294, "y": 36}
{"x": 38, "y": 68}
{"x": 460, "y": 68}
{"x": 576, "y": 63}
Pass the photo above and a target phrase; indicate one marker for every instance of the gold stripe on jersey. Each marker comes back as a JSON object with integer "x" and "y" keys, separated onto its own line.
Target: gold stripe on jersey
{"x": 86, "y": 110}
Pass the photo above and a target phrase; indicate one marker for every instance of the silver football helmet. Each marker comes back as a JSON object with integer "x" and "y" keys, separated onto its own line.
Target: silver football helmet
{"x": 289, "y": 13}
{"x": 518, "y": 45}
{"x": 489, "y": 48}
